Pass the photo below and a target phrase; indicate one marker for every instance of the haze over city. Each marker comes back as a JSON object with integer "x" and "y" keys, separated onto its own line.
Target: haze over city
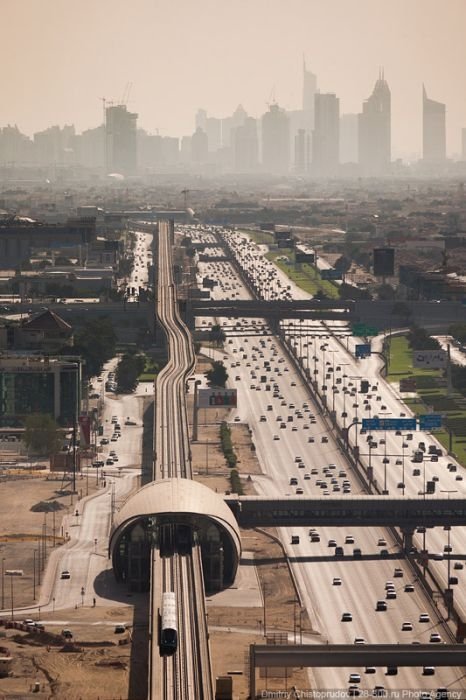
{"x": 180, "y": 56}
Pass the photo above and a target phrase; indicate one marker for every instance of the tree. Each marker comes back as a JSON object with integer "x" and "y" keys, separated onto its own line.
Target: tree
{"x": 385, "y": 292}
{"x": 217, "y": 376}
{"x": 96, "y": 342}
{"x": 128, "y": 370}
{"x": 41, "y": 434}
{"x": 217, "y": 335}
{"x": 419, "y": 339}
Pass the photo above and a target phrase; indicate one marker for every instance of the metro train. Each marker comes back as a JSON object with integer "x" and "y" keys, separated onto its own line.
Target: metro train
{"x": 168, "y": 625}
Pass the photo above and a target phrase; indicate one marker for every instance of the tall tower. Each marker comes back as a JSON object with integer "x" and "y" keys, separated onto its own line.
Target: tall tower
{"x": 326, "y": 135}
{"x": 275, "y": 140}
{"x": 434, "y": 147}
{"x": 375, "y": 130}
{"x": 309, "y": 90}
{"x": 120, "y": 132}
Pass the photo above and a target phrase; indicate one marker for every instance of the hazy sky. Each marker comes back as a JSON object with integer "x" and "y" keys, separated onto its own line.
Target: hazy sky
{"x": 58, "y": 57}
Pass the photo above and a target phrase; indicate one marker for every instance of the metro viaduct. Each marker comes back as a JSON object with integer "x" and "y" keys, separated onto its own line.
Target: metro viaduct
{"x": 350, "y": 656}
{"x": 356, "y": 511}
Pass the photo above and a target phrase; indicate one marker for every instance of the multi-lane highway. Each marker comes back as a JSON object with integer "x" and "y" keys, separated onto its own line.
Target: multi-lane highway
{"x": 295, "y": 443}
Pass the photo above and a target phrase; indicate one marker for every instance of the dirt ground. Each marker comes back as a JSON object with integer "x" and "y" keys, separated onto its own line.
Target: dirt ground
{"x": 97, "y": 666}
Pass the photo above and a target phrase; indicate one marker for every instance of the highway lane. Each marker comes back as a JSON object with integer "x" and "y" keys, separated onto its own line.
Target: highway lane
{"x": 282, "y": 465}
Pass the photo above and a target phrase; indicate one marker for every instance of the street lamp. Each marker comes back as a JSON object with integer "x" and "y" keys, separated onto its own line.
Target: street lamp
{"x": 3, "y": 583}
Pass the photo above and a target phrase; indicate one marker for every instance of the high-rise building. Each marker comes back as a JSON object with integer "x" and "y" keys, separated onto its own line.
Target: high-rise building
{"x": 275, "y": 140}
{"x": 301, "y": 152}
{"x": 199, "y": 146}
{"x": 309, "y": 91}
{"x": 121, "y": 143}
{"x": 434, "y": 148}
{"x": 375, "y": 130}
{"x": 246, "y": 146}
{"x": 326, "y": 135}
{"x": 349, "y": 138}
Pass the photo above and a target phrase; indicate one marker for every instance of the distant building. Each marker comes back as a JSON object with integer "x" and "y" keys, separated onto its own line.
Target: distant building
{"x": 375, "y": 130}
{"x": 121, "y": 144}
{"x": 275, "y": 140}
{"x": 434, "y": 147}
{"x": 45, "y": 331}
{"x": 463, "y": 144}
{"x": 19, "y": 236}
{"x": 302, "y": 150}
{"x": 326, "y": 135}
{"x": 309, "y": 91}
{"x": 39, "y": 384}
{"x": 349, "y": 138}
{"x": 199, "y": 146}
{"x": 246, "y": 146}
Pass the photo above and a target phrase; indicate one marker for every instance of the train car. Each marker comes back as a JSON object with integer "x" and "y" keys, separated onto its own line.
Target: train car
{"x": 168, "y": 625}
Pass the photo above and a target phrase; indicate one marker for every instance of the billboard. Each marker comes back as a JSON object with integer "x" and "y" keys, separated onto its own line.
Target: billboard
{"x": 330, "y": 274}
{"x": 408, "y": 384}
{"x": 84, "y": 430}
{"x": 430, "y": 359}
{"x": 217, "y": 398}
{"x": 384, "y": 262}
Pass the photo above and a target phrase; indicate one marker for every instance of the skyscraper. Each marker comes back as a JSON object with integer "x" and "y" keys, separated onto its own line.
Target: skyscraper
{"x": 433, "y": 130}
{"x": 326, "y": 135}
{"x": 120, "y": 129}
{"x": 309, "y": 90}
{"x": 301, "y": 152}
{"x": 275, "y": 140}
{"x": 375, "y": 130}
{"x": 246, "y": 146}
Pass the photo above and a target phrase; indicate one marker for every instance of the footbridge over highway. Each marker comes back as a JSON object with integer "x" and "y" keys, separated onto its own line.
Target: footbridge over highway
{"x": 313, "y": 309}
{"x": 356, "y": 511}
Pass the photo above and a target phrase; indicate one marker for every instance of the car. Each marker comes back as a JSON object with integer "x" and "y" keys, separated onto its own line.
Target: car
{"x": 299, "y": 491}
{"x": 104, "y": 441}
{"x": 398, "y": 573}
{"x": 370, "y": 669}
{"x": 120, "y": 629}
{"x": 276, "y": 437}
{"x": 428, "y": 671}
{"x": 307, "y": 476}
{"x": 381, "y": 606}
{"x": 237, "y": 419}
{"x": 357, "y": 553}
{"x": 128, "y": 421}
{"x": 336, "y": 581}
{"x": 435, "y": 638}
{"x": 424, "y": 617}
{"x": 354, "y": 678}
{"x": 458, "y": 565}
{"x": 263, "y": 419}
{"x": 381, "y": 542}
{"x": 349, "y": 539}
{"x": 324, "y": 438}
{"x": 390, "y": 594}
{"x": 409, "y": 588}
{"x": 379, "y": 691}
{"x": 109, "y": 461}
{"x": 384, "y": 553}
{"x": 359, "y": 640}
{"x": 67, "y": 634}
{"x": 346, "y": 617}
{"x": 353, "y": 691}
{"x": 65, "y": 574}
{"x": 407, "y": 627}
{"x": 332, "y": 543}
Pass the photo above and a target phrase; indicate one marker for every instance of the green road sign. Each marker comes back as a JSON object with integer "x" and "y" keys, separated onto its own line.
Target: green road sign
{"x": 360, "y": 330}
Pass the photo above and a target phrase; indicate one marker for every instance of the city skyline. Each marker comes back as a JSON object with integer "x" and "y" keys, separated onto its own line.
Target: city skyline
{"x": 222, "y": 55}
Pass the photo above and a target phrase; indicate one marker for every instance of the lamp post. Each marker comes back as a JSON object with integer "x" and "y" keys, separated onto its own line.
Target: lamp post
{"x": 3, "y": 583}
{"x": 196, "y": 410}
{"x": 448, "y": 530}
{"x": 404, "y": 445}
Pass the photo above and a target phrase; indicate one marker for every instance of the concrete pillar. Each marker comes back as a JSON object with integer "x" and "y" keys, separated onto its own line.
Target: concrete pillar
{"x": 407, "y": 533}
